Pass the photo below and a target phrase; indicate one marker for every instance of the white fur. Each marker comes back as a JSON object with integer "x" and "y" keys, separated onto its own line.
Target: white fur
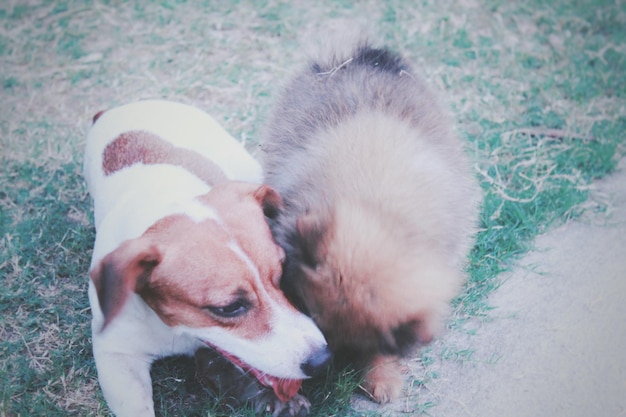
{"x": 194, "y": 130}
{"x": 126, "y": 204}
{"x": 283, "y": 352}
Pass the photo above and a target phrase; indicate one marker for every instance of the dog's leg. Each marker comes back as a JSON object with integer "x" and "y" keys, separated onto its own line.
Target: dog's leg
{"x": 126, "y": 383}
{"x": 383, "y": 380}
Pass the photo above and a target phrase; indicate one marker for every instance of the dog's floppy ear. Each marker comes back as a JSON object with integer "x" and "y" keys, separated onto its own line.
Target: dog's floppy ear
{"x": 270, "y": 201}
{"x": 127, "y": 269}
{"x": 312, "y": 229}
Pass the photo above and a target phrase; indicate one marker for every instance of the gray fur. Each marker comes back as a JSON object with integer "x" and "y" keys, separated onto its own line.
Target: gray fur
{"x": 327, "y": 93}
{"x": 380, "y": 206}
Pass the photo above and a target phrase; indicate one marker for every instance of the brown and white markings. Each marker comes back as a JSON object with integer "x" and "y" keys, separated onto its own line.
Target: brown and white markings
{"x": 183, "y": 256}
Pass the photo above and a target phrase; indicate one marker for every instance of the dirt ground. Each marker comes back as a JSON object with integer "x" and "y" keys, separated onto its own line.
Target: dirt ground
{"x": 555, "y": 344}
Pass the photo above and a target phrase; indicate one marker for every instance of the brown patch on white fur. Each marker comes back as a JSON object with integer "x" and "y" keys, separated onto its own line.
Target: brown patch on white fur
{"x": 139, "y": 146}
{"x": 214, "y": 277}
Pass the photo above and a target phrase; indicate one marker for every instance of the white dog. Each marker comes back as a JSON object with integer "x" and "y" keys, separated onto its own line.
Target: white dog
{"x": 183, "y": 255}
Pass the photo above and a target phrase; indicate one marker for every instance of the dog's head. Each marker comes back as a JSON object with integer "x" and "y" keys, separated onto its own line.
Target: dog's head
{"x": 364, "y": 287}
{"x": 213, "y": 272}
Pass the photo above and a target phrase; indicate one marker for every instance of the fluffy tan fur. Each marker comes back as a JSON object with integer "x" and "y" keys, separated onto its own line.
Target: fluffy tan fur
{"x": 380, "y": 209}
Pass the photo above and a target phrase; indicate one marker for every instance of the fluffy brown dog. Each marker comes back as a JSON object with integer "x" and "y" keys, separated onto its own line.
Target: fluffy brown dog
{"x": 380, "y": 206}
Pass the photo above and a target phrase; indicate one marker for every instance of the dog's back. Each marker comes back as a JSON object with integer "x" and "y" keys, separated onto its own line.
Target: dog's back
{"x": 363, "y": 124}
{"x": 179, "y": 134}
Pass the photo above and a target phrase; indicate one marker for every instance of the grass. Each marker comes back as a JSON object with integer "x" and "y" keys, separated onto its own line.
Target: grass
{"x": 538, "y": 89}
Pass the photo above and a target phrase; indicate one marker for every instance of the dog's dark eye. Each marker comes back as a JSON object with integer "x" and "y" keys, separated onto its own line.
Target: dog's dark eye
{"x": 234, "y": 309}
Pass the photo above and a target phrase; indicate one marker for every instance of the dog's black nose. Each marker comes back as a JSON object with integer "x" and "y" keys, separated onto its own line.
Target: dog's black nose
{"x": 317, "y": 362}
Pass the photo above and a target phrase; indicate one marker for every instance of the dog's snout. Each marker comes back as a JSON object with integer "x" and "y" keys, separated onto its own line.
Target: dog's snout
{"x": 317, "y": 362}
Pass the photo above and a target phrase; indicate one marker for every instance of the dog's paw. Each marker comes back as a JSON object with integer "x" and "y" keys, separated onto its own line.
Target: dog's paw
{"x": 384, "y": 380}
{"x": 298, "y": 406}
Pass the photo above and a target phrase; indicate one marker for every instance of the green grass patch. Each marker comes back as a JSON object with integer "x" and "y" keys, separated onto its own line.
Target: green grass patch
{"x": 44, "y": 316}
